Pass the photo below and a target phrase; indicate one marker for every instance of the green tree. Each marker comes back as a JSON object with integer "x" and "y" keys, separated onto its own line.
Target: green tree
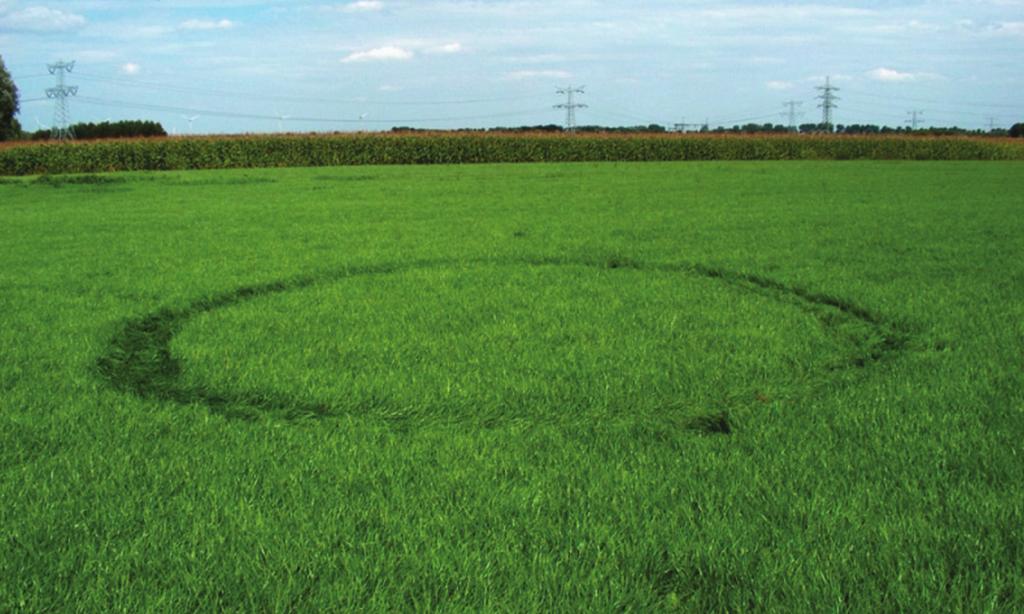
{"x": 9, "y": 127}
{"x": 1017, "y": 130}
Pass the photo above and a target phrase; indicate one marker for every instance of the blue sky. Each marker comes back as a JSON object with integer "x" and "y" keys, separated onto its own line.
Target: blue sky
{"x": 250, "y": 66}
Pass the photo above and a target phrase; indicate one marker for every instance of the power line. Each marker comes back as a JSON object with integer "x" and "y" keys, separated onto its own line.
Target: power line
{"x": 635, "y": 118}
{"x": 949, "y": 108}
{"x": 570, "y": 106}
{"x": 277, "y": 118}
{"x": 938, "y": 102}
{"x": 620, "y": 120}
{"x": 184, "y": 89}
{"x": 327, "y": 120}
{"x": 61, "y": 129}
{"x": 874, "y": 112}
{"x": 740, "y": 120}
{"x": 828, "y": 103}
{"x": 875, "y": 116}
{"x": 611, "y": 109}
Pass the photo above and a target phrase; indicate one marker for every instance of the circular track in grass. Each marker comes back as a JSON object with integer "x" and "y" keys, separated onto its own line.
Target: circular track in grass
{"x": 488, "y": 341}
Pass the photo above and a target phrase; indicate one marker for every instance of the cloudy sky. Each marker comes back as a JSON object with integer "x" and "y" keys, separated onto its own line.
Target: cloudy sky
{"x": 260, "y": 66}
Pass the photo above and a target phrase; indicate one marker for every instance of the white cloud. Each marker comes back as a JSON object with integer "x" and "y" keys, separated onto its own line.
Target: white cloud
{"x": 914, "y": 26}
{"x": 785, "y": 13}
{"x": 389, "y": 53}
{"x": 130, "y": 68}
{"x": 390, "y": 88}
{"x": 41, "y": 19}
{"x": 447, "y": 48}
{"x": 207, "y": 24}
{"x": 779, "y": 85}
{"x": 412, "y": 46}
{"x": 522, "y": 75}
{"x": 894, "y": 76}
{"x": 363, "y": 6}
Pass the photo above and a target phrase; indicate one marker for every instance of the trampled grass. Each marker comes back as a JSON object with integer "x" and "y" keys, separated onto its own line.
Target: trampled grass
{"x": 585, "y": 387}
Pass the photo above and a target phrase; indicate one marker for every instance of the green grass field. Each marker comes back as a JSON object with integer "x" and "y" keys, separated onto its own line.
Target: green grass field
{"x": 785, "y": 386}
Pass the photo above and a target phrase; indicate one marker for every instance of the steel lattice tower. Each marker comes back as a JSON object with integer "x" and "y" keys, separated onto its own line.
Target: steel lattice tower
{"x": 685, "y": 127}
{"x": 915, "y": 118}
{"x": 791, "y": 115}
{"x": 828, "y": 103}
{"x": 570, "y": 106}
{"x": 61, "y": 129}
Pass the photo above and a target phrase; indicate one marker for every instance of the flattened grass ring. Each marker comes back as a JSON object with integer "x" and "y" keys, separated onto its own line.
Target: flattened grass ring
{"x": 140, "y": 361}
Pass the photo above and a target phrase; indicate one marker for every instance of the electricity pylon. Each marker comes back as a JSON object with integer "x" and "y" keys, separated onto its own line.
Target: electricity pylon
{"x": 828, "y": 103}
{"x": 685, "y": 127}
{"x": 915, "y": 118}
{"x": 61, "y": 129}
{"x": 570, "y": 106}
{"x": 792, "y": 113}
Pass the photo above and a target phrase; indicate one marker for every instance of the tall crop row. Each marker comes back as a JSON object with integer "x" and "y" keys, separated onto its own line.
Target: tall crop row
{"x": 448, "y": 148}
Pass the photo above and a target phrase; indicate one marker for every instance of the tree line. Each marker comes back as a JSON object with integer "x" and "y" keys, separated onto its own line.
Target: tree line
{"x": 870, "y": 129}
{"x": 769, "y": 128}
{"x": 108, "y": 130}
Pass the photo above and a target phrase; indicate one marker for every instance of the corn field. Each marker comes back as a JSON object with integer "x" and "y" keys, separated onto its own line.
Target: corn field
{"x": 470, "y": 148}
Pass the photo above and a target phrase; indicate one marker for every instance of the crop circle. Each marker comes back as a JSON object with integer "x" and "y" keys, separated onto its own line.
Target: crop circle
{"x": 491, "y": 340}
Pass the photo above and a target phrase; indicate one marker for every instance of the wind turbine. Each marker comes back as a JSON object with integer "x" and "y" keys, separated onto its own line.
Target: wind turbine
{"x": 361, "y": 118}
{"x": 281, "y": 117}
{"x": 190, "y": 119}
